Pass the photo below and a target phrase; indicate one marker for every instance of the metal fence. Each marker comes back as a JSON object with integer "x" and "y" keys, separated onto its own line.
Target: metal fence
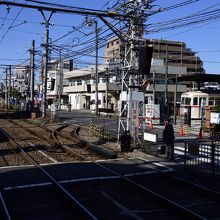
{"x": 203, "y": 155}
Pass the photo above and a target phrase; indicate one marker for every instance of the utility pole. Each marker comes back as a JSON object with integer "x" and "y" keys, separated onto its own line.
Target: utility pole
{"x": 90, "y": 23}
{"x": 32, "y": 67}
{"x": 166, "y": 74}
{"x": 153, "y": 87}
{"x": 96, "y": 68}
{"x": 175, "y": 97}
{"x": 106, "y": 91}
{"x": 9, "y": 86}
{"x": 132, "y": 99}
{"x": 60, "y": 87}
{"x": 45, "y": 62}
{"x": 6, "y": 88}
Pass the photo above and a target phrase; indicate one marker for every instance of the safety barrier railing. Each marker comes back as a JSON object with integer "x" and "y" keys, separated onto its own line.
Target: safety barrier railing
{"x": 203, "y": 155}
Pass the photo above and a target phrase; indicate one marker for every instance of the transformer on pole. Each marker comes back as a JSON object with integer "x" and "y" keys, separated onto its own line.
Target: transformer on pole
{"x": 132, "y": 112}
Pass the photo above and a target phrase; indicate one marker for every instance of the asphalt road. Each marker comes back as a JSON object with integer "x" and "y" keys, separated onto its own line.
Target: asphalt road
{"x": 84, "y": 117}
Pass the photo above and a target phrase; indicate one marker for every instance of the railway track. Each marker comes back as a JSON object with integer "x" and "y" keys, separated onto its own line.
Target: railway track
{"x": 39, "y": 146}
{"x": 180, "y": 199}
{"x": 159, "y": 194}
{"x": 44, "y": 146}
{"x": 65, "y": 137}
{"x": 117, "y": 194}
{"x": 196, "y": 198}
{"x": 76, "y": 209}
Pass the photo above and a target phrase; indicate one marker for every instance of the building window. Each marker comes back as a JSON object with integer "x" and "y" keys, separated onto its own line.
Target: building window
{"x": 79, "y": 82}
{"x": 66, "y": 66}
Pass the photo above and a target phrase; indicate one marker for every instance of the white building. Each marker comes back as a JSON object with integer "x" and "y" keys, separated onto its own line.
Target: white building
{"x": 56, "y": 71}
{"x": 80, "y": 87}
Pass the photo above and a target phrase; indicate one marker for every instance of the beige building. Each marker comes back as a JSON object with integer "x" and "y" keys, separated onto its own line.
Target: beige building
{"x": 114, "y": 51}
{"x": 173, "y": 53}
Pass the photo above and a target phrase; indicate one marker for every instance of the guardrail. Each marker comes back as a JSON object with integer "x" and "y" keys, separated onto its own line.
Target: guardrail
{"x": 203, "y": 155}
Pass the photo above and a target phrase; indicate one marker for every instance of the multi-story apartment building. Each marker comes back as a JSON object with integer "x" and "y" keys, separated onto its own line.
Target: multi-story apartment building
{"x": 114, "y": 51}
{"x": 166, "y": 55}
{"x": 173, "y": 53}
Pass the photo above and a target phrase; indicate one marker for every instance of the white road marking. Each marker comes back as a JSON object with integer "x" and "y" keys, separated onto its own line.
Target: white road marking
{"x": 124, "y": 210}
{"x": 5, "y": 207}
{"x": 168, "y": 169}
{"x": 87, "y": 179}
{"x": 9, "y": 167}
{"x": 27, "y": 186}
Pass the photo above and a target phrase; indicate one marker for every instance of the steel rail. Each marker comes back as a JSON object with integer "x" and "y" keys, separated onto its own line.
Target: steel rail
{"x": 63, "y": 125}
{"x": 65, "y": 147}
{"x": 34, "y": 133}
{"x": 182, "y": 209}
{"x": 59, "y": 186}
{"x": 88, "y": 145}
{"x": 186, "y": 182}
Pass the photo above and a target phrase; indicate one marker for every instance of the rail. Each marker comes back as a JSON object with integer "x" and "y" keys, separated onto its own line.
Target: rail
{"x": 101, "y": 151}
{"x": 161, "y": 198}
{"x": 71, "y": 198}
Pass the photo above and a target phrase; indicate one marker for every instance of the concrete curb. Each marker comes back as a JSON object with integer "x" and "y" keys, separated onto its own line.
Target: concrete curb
{"x": 98, "y": 150}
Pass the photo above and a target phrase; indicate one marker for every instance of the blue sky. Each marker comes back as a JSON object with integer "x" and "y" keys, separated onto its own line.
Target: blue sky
{"x": 18, "y": 27}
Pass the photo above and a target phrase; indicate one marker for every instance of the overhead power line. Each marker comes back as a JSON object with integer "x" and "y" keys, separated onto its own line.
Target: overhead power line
{"x": 82, "y": 11}
{"x": 180, "y": 5}
{"x": 64, "y": 6}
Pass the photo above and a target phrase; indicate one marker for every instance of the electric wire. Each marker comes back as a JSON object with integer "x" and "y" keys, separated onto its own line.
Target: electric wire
{"x": 19, "y": 12}
{"x": 156, "y": 28}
